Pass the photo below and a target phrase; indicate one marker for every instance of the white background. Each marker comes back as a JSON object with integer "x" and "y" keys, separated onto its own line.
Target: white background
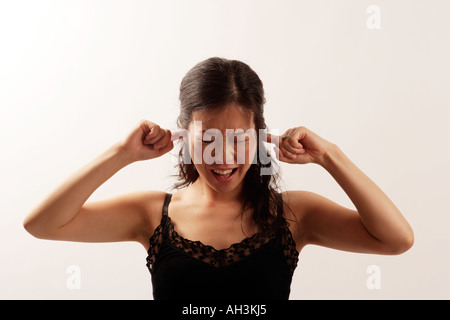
{"x": 76, "y": 76}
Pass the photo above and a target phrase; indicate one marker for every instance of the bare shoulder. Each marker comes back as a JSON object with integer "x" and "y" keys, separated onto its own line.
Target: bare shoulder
{"x": 297, "y": 203}
{"x": 151, "y": 205}
{"x": 295, "y": 206}
{"x": 301, "y": 205}
{"x": 147, "y": 204}
{"x": 301, "y": 198}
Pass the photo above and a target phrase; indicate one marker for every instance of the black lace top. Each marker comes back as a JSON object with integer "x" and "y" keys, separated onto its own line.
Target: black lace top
{"x": 259, "y": 267}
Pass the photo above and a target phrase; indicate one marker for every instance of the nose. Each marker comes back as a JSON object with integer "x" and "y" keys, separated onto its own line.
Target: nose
{"x": 226, "y": 154}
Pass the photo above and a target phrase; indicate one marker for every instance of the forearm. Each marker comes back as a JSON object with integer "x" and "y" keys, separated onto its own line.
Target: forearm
{"x": 378, "y": 213}
{"x": 66, "y": 201}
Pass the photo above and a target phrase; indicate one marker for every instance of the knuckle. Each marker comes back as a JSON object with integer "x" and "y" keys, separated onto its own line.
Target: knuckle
{"x": 144, "y": 122}
{"x": 166, "y": 132}
{"x": 155, "y": 129}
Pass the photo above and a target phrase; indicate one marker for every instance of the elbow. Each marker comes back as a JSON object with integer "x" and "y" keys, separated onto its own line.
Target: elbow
{"x": 33, "y": 229}
{"x": 28, "y": 226}
{"x": 409, "y": 241}
{"x": 403, "y": 244}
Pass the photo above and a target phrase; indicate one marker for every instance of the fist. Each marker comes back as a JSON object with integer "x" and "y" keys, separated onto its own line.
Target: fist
{"x": 300, "y": 145}
{"x": 147, "y": 141}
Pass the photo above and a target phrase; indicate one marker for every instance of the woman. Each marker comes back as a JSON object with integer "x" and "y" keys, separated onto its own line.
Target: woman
{"x": 228, "y": 233}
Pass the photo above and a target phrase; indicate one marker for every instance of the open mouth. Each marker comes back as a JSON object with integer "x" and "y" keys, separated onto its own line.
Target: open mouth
{"x": 224, "y": 175}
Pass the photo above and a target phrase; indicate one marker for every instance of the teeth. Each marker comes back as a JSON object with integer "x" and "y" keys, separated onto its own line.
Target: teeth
{"x": 223, "y": 172}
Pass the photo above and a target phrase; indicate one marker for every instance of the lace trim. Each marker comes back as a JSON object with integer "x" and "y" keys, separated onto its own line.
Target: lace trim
{"x": 218, "y": 258}
{"x": 290, "y": 250}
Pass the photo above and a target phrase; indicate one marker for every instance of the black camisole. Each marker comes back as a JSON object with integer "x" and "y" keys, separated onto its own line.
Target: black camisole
{"x": 258, "y": 267}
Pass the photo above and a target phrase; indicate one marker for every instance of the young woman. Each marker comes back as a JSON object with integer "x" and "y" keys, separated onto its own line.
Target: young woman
{"x": 227, "y": 232}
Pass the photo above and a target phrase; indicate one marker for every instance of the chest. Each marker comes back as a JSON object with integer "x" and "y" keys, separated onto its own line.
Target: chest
{"x": 219, "y": 227}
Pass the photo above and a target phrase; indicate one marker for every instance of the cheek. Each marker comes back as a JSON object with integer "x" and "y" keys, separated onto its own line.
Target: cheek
{"x": 196, "y": 152}
{"x": 191, "y": 151}
{"x": 252, "y": 148}
{"x": 250, "y": 152}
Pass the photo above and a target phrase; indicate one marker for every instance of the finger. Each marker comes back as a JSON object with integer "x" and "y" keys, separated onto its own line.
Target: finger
{"x": 164, "y": 140}
{"x": 161, "y": 134}
{"x": 294, "y": 142}
{"x": 166, "y": 148}
{"x": 288, "y": 154}
{"x": 292, "y": 146}
{"x": 145, "y": 125}
{"x": 282, "y": 155}
{"x": 287, "y": 134}
{"x": 287, "y": 146}
{"x": 151, "y": 131}
{"x": 154, "y": 135}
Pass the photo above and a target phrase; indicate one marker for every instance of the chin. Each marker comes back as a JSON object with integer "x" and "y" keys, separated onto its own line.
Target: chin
{"x": 224, "y": 179}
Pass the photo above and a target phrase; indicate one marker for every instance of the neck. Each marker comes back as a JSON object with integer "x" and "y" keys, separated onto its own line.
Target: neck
{"x": 212, "y": 197}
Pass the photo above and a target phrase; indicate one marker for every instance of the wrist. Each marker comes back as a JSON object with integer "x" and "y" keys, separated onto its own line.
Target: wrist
{"x": 329, "y": 158}
{"x": 120, "y": 154}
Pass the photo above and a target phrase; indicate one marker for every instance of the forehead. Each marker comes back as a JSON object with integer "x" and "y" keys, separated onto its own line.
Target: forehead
{"x": 230, "y": 116}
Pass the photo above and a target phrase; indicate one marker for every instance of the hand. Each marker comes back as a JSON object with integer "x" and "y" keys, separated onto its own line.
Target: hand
{"x": 300, "y": 145}
{"x": 147, "y": 141}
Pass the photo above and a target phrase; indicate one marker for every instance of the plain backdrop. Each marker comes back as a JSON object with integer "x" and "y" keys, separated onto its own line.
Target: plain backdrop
{"x": 77, "y": 76}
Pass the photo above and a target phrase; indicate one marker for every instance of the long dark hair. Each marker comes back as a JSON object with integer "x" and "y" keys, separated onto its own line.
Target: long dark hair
{"x": 211, "y": 85}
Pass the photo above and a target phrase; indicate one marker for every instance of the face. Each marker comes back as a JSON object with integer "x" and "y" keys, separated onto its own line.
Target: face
{"x": 222, "y": 146}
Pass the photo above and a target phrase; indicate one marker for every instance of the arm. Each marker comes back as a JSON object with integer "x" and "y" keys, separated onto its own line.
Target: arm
{"x": 64, "y": 215}
{"x": 377, "y": 226}
{"x": 377, "y": 213}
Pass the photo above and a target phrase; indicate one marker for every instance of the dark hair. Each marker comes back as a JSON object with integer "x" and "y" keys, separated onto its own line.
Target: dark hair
{"x": 211, "y": 85}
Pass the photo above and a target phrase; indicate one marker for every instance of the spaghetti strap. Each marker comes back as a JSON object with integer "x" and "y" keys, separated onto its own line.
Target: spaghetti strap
{"x": 166, "y": 204}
